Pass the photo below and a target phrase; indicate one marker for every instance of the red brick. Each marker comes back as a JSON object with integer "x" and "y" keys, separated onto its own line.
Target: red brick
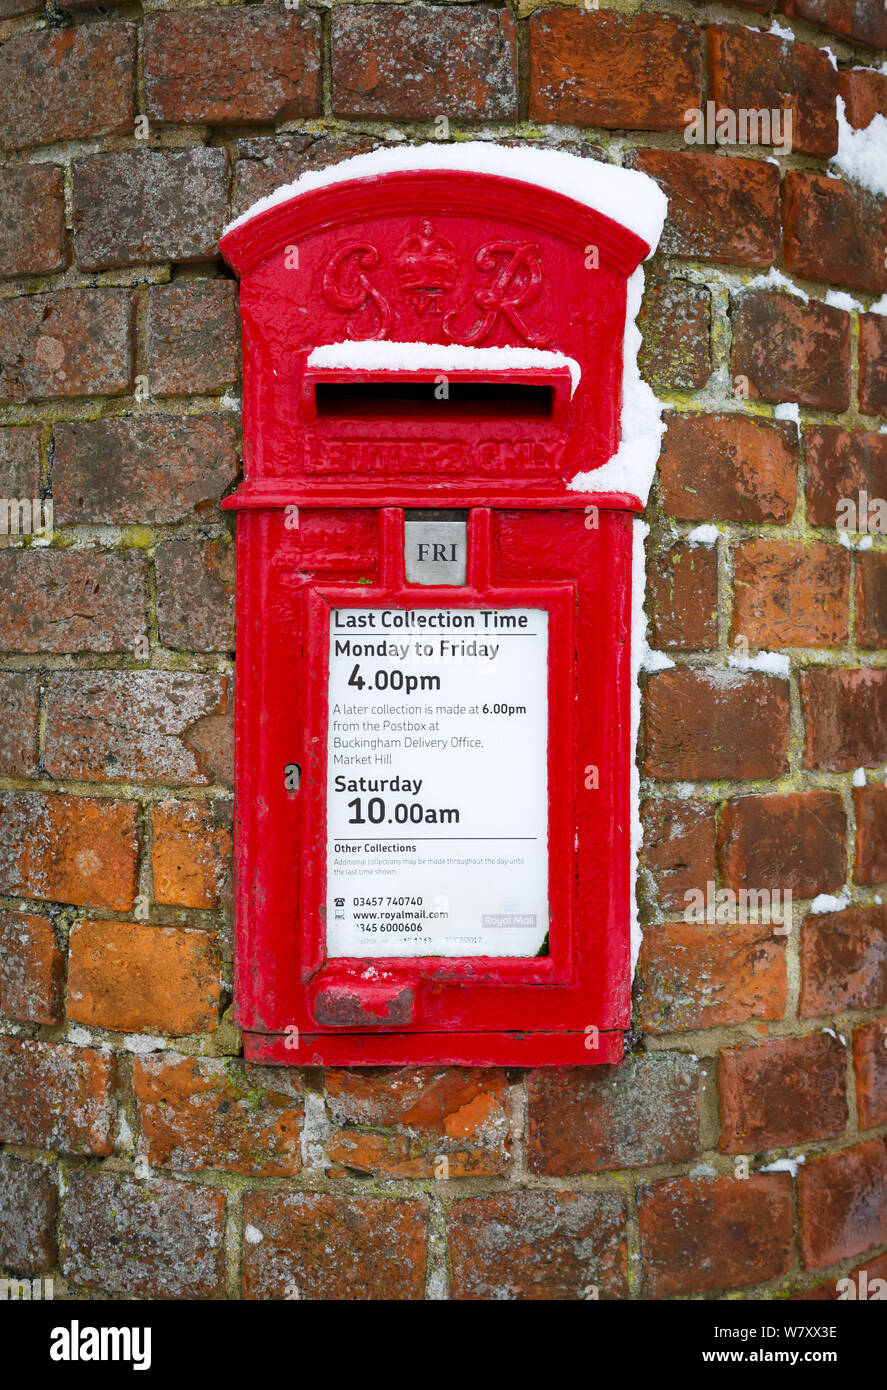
{"x": 692, "y": 976}
{"x": 871, "y": 599}
{"x": 841, "y": 464}
{"x": 682, "y": 588}
{"x": 795, "y": 841}
{"x": 67, "y": 84}
{"x": 791, "y": 593}
{"x": 74, "y": 343}
{"x": 720, "y": 1234}
{"x": 33, "y": 239}
{"x": 129, "y": 726}
{"x": 679, "y": 847}
{"x": 132, "y": 207}
{"x": 862, "y": 21}
{"x": 53, "y": 1096}
{"x": 18, "y": 733}
{"x": 873, "y": 362}
{"x": 72, "y": 601}
{"x": 32, "y": 969}
{"x": 538, "y": 1246}
{"x": 791, "y": 351}
{"x": 842, "y": 1204}
{"x": 865, "y": 95}
{"x": 193, "y": 344}
{"x": 402, "y": 1123}
{"x": 845, "y": 717}
{"x": 843, "y": 961}
{"x": 834, "y": 231}
{"x": 71, "y": 849}
{"x": 728, "y": 466}
{"x": 870, "y": 1066}
{"x": 760, "y": 72}
{"x": 718, "y": 209}
{"x": 20, "y": 461}
{"x": 200, "y": 1113}
{"x": 784, "y": 1091}
{"x": 637, "y": 72}
{"x": 313, "y": 1245}
{"x": 715, "y": 723}
{"x": 675, "y": 321}
{"x": 419, "y": 61}
{"x": 158, "y": 1239}
{"x": 130, "y": 977}
{"x": 871, "y": 834}
{"x": 191, "y": 852}
{"x": 155, "y": 469}
{"x": 264, "y": 164}
{"x": 642, "y": 1112}
{"x": 28, "y": 1214}
{"x": 231, "y": 66}
{"x": 195, "y": 595}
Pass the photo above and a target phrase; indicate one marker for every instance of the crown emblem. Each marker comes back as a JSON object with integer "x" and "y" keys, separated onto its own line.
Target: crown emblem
{"x": 427, "y": 267}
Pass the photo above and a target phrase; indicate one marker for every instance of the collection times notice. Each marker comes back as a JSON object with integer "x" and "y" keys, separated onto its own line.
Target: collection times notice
{"x": 437, "y": 782}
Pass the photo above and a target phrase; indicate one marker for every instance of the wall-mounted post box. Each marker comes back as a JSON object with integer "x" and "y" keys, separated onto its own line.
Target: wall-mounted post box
{"x": 434, "y": 668}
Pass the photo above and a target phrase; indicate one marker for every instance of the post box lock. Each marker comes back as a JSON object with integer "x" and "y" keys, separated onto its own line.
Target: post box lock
{"x": 442, "y": 647}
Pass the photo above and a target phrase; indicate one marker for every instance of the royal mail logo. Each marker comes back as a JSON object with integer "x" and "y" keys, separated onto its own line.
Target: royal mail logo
{"x": 507, "y": 279}
{"x": 403, "y": 456}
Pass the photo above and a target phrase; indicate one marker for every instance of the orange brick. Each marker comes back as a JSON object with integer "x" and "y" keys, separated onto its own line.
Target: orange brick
{"x": 197, "y": 1113}
{"x": 316, "y": 1245}
{"x": 694, "y": 976}
{"x": 870, "y": 1064}
{"x": 842, "y": 1204}
{"x": 191, "y": 854}
{"x": 54, "y": 1096}
{"x": 715, "y": 1235}
{"x": 871, "y": 833}
{"x": 430, "y": 1113}
{"x": 71, "y": 849}
{"x": 129, "y": 977}
{"x": 791, "y": 594}
{"x": 31, "y": 968}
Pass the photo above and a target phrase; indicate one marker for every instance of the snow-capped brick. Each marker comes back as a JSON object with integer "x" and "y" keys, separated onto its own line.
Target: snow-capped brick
{"x": 780, "y": 1092}
{"x": 835, "y": 230}
{"x": 718, "y": 209}
{"x": 710, "y": 723}
{"x": 786, "y": 350}
{"x": 843, "y": 960}
{"x": 728, "y": 466}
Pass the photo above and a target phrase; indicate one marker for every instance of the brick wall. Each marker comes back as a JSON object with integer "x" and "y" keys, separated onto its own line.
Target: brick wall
{"x": 137, "y": 1153}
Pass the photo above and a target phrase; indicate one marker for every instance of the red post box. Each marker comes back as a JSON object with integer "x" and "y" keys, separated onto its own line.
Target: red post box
{"x": 434, "y": 794}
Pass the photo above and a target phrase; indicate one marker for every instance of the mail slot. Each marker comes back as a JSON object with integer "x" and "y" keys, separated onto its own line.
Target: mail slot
{"x": 434, "y": 793}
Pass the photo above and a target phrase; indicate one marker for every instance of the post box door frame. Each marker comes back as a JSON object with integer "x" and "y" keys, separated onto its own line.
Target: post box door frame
{"x": 561, "y": 991}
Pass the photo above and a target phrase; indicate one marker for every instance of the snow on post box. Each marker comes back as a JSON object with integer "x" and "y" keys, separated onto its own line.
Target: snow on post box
{"x": 446, "y": 441}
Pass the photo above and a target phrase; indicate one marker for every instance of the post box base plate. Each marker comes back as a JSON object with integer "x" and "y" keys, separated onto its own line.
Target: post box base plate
{"x": 429, "y": 1049}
